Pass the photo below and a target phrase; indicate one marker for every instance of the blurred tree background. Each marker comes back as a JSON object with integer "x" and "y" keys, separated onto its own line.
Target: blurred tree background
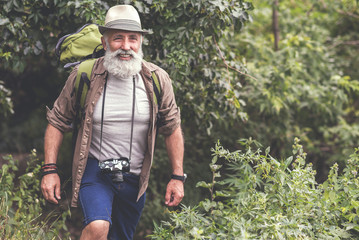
{"x": 268, "y": 70}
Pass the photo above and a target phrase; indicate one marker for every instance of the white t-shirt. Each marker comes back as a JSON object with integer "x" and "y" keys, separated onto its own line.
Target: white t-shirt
{"x": 116, "y": 133}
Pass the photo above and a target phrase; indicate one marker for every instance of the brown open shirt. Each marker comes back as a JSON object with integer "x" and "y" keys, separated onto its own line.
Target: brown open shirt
{"x": 63, "y": 112}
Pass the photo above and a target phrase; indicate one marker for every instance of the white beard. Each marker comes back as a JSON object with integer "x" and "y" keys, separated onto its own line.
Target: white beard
{"x": 123, "y": 68}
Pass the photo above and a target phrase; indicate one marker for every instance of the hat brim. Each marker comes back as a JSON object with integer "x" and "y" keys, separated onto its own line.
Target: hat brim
{"x": 103, "y": 29}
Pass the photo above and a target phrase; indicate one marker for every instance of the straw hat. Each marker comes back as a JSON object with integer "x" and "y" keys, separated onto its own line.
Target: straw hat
{"x": 122, "y": 17}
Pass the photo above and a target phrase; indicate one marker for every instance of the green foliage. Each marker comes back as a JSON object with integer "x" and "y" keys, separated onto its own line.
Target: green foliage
{"x": 22, "y": 204}
{"x": 228, "y": 79}
{"x": 6, "y": 105}
{"x": 184, "y": 42}
{"x": 305, "y": 88}
{"x": 27, "y": 34}
{"x": 260, "y": 197}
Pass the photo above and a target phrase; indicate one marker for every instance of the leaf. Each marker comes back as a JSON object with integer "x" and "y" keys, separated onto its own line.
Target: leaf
{"x": 354, "y": 203}
{"x": 15, "y": 3}
{"x": 221, "y": 194}
{"x": 214, "y": 159}
{"x": 267, "y": 150}
{"x": 288, "y": 161}
{"x": 203, "y": 184}
{"x": 332, "y": 196}
{"x": 4, "y": 21}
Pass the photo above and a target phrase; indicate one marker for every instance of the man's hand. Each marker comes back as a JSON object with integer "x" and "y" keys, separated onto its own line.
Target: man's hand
{"x": 174, "y": 193}
{"x": 50, "y": 183}
{"x": 50, "y": 187}
{"x": 175, "y": 149}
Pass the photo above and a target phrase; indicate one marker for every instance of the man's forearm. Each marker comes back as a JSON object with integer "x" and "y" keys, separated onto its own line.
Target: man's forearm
{"x": 50, "y": 183}
{"x": 53, "y": 140}
{"x": 175, "y": 150}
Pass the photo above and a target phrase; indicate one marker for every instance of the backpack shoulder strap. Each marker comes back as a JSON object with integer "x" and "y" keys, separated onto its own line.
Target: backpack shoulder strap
{"x": 156, "y": 99}
{"x": 156, "y": 89}
{"x": 82, "y": 83}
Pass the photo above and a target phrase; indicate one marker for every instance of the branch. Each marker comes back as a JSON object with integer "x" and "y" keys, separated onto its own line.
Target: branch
{"x": 226, "y": 64}
{"x": 351, "y": 43}
{"x": 310, "y": 10}
{"x": 275, "y": 25}
{"x": 350, "y": 14}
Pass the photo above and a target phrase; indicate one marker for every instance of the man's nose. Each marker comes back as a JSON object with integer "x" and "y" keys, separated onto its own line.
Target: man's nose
{"x": 125, "y": 45}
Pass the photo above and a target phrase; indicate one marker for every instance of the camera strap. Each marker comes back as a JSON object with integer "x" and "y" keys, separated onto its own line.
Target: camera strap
{"x": 133, "y": 115}
{"x": 132, "y": 118}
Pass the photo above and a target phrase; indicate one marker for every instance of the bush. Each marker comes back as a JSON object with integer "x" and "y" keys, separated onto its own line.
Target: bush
{"x": 22, "y": 207}
{"x": 260, "y": 197}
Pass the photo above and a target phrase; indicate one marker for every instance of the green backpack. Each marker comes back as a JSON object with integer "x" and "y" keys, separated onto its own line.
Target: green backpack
{"x": 84, "y": 44}
{"x": 84, "y": 47}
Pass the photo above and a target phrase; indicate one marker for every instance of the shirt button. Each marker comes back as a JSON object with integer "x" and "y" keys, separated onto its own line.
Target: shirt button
{"x": 88, "y": 120}
{"x": 93, "y": 102}
{"x": 79, "y": 171}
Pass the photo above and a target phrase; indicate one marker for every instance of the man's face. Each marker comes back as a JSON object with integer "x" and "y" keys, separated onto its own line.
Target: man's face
{"x": 118, "y": 39}
{"x": 123, "y": 57}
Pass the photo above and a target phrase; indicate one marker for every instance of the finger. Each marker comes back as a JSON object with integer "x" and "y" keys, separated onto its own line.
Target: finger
{"x": 49, "y": 194}
{"x": 176, "y": 199}
{"x": 50, "y": 186}
{"x": 57, "y": 192}
{"x": 51, "y": 197}
{"x": 45, "y": 189}
{"x": 168, "y": 197}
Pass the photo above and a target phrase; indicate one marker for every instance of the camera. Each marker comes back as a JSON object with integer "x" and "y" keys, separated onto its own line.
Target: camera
{"x": 115, "y": 166}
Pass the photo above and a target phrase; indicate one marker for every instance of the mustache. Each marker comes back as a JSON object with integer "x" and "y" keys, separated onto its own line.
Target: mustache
{"x": 119, "y": 52}
{"x": 124, "y": 52}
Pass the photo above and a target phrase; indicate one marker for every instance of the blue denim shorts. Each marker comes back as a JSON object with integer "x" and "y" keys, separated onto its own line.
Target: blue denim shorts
{"x": 102, "y": 199}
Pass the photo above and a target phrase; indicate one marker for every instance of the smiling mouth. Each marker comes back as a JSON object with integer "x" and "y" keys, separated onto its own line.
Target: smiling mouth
{"x": 124, "y": 55}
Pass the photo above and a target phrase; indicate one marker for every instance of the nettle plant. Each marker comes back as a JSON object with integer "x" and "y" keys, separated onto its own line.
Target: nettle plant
{"x": 260, "y": 197}
{"x": 23, "y": 212}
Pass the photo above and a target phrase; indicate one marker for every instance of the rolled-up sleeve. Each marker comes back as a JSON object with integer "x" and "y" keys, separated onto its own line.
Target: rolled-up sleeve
{"x": 62, "y": 114}
{"x": 170, "y": 116}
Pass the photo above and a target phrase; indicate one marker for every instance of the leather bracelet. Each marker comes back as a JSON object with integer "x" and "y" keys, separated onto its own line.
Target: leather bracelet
{"x": 49, "y": 172}
{"x": 49, "y": 165}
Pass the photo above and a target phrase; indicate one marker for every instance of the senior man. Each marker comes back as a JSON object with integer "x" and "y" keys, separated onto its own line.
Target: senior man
{"x": 119, "y": 125}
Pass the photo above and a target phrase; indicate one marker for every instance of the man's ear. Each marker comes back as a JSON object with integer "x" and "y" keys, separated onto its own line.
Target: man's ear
{"x": 103, "y": 43}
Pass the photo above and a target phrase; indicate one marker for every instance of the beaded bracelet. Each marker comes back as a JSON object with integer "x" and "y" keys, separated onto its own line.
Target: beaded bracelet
{"x": 48, "y": 169}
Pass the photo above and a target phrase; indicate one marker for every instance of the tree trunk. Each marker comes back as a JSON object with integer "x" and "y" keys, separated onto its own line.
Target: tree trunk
{"x": 275, "y": 24}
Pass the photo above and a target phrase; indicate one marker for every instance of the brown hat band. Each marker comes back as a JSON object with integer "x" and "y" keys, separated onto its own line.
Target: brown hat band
{"x": 122, "y": 24}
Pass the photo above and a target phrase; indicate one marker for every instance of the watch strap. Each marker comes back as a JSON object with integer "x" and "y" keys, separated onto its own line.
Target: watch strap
{"x": 179, "y": 177}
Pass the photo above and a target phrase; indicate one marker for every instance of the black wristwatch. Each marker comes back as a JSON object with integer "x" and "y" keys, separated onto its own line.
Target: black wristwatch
{"x": 178, "y": 177}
